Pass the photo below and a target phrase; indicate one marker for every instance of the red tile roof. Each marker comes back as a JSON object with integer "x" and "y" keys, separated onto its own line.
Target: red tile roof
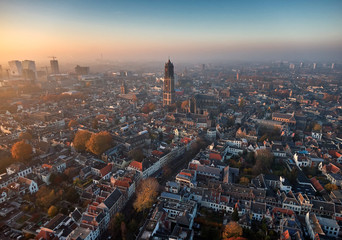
{"x": 282, "y": 210}
{"x": 104, "y": 171}
{"x": 157, "y": 153}
{"x": 136, "y": 165}
{"x": 215, "y": 156}
{"x": 46, "y": 235}
{"x": 316, "y": 184}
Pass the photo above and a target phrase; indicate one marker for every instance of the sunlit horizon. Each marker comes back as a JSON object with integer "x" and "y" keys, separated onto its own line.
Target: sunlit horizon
{"x": 199, "y": 31}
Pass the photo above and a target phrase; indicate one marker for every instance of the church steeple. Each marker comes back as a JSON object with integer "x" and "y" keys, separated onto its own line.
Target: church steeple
{"x": 169, "y": 84}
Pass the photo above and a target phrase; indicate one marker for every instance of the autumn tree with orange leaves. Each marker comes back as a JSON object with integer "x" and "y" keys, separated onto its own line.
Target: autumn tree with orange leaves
{"x": 232, "y": 230}
{"x": 99, "y": 143}
{"x": 80, "y": 140}
{"x": 21, "y": 151}
{"x": 146, "y": 194}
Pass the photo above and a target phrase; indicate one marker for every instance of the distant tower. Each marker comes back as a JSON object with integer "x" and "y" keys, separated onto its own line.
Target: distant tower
{"x": 29, "y": 69}
{"x": 169, "y": 85}
{"x": 237, "y": 76}
{"x": 203, "y": 67}
{"x": 54, "y": 66}
{"x": 332, "y": 65}
{"x": 314, "y": 66}
{"x": 16, "y": 68}
{"x": 123, "y": 88}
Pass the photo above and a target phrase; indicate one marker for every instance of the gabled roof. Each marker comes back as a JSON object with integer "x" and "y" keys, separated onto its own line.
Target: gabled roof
{"x": 112, "y": 198}
{"x": 45, "y": 234}
{"x": 136, "y": 165}
{"x": 104, "y": 171}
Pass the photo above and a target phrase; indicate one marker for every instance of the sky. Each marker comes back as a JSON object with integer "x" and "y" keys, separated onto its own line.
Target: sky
{"x": 187, "y": 30}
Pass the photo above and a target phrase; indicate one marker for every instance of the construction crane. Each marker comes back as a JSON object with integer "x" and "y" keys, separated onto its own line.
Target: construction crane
{"x": 53, "y": 57}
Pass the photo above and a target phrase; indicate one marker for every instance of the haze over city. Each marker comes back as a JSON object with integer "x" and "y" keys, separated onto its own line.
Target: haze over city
{"x": 186, "y": 30}
{"x": 170, "y": 120}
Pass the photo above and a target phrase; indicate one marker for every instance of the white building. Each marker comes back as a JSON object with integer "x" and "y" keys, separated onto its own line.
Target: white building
{"x": 329, "y": 226}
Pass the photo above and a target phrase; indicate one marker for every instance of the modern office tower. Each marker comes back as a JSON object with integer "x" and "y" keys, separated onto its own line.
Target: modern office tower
{"x": 81, "y": 70}
{"x": 169, "y": 84}
{"x": 314, "y": 66}
{"x": 237, "y": 76}
{"x": 16, "y": 68}
{"x": 54, "y": 66}
{"x": 292, "y": 66}
{"x": 332, "y": 65}
{"x": 29, "y": 69}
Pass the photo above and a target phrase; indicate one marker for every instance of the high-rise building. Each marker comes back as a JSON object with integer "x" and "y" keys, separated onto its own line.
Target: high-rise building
{"x": 29, "y": 69}
{"x": 16, "y": 68}
{"x": 54, "y": 66}
{"x": 237, "y": 76}
{"x": 332, "y": 65}
{"x": 169, "y": 84}
{"x": 314, "y": 66}
{"x": 81, "y": 70}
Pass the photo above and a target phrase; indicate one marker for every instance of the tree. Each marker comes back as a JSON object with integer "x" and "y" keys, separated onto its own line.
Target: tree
{"x": 235, "y": 215}
{"x": 317, "y": 127}
{"x": 137, "y": 154}
{"x": 99, "y": 142}
{"x": 71, "y": 195}
{"x": 146, "y": 194}
{"x": 123, "y": 230}
{"x": 52, "y": 211}
{"x": 232, "y": 229}
{"x": 80, "y": 140}
{"x": 25, "y": 136}
{"x": 148, "y": 107}
{"x": 330, "y": 187}
{"x": 21, "y": 151}
{"x": 167, "y": 171}
{"x": 263, "y": 161}
{"x": 115, "y": 225}
{"x": 244, "y": 180}
{"x": 72, "y": 123}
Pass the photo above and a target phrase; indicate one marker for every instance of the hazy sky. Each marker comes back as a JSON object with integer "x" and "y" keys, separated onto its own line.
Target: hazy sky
{"x": 185, "y": 30}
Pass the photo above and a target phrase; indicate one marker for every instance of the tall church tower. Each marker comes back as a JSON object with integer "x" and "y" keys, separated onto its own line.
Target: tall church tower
{"x": 169, "y": 85}
{"x": 123, "y": 88}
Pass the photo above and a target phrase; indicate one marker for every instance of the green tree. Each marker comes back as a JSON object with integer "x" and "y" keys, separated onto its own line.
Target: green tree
{"x": 21, "y": 151}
